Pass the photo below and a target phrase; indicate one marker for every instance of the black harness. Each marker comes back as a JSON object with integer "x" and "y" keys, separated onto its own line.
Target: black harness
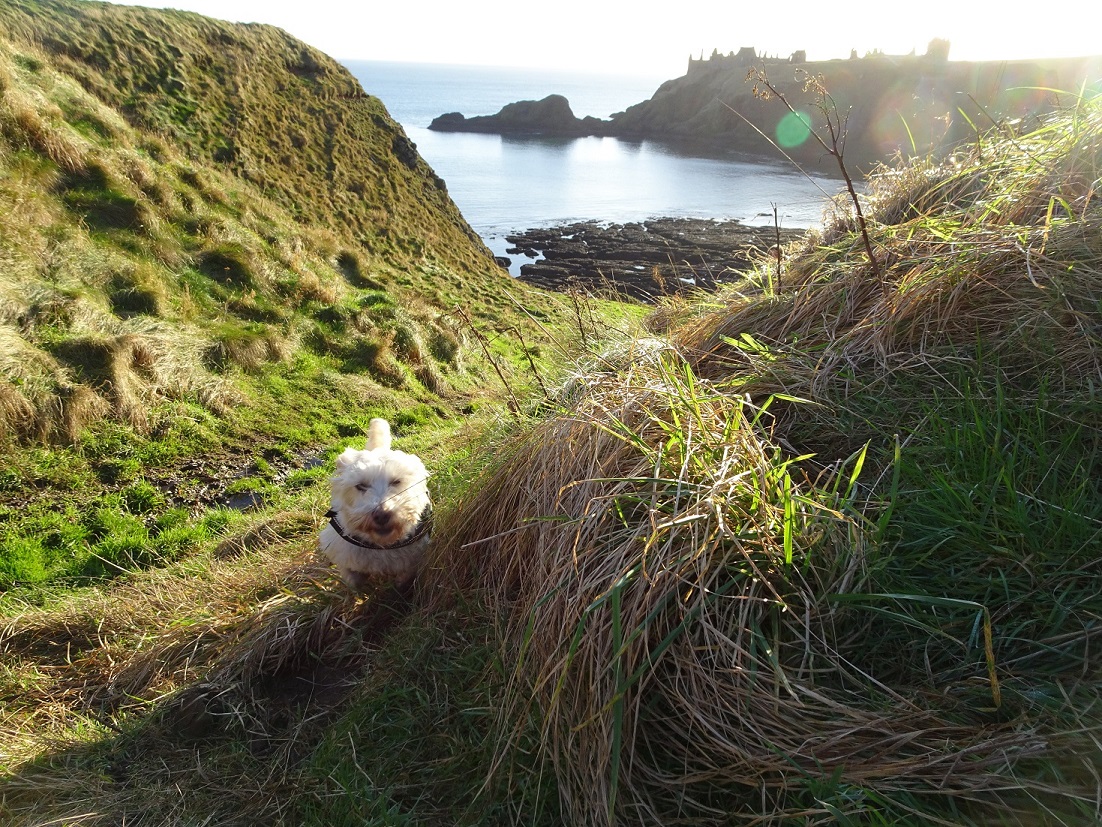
{"x": 424, "y": 526}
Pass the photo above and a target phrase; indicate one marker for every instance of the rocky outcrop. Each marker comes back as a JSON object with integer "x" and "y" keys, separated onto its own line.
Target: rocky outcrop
{"x": 550, "y": 116}
{"x": 643, "y": 260}
{"x": 909, "y": 105}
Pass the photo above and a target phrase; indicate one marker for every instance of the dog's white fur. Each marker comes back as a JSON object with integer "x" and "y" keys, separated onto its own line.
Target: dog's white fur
{"x": 379, "y": 497}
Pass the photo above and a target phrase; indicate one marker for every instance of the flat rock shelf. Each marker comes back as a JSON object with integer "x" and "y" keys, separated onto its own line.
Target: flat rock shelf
{"x": 643, "y": 260}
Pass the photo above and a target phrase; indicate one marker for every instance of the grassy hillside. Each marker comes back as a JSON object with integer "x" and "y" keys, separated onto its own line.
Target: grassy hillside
{"x": 255, "y": 102}
{"x": 821, "y": 548}
{"x": 218, "y": 253}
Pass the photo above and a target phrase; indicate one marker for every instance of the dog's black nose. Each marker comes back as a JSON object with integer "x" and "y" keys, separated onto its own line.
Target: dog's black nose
{"x": 381, "y": 517}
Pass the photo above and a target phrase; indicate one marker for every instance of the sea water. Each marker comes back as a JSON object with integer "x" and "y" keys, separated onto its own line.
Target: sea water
{"x": 506, "y": 184}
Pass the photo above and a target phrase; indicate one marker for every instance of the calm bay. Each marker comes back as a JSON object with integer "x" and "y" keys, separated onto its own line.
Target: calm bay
{"x": 508, "y": 184}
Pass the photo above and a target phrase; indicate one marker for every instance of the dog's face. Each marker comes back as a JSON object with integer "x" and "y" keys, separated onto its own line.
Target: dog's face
{"x": 379, "y": 494}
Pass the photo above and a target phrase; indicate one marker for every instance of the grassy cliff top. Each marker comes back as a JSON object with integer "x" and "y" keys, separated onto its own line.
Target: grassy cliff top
{"x": 910, "y": 106}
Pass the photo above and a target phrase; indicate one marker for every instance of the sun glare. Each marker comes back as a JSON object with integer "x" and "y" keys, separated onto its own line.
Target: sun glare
{"x": 615, "y": 42}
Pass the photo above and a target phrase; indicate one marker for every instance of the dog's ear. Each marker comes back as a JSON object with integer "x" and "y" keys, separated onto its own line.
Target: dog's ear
{"x": 345, "y": 459}
{"x": 378, "y": 435}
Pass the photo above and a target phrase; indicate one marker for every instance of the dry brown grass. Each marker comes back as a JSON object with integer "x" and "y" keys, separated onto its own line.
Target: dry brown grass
{"x": 154, "y": 635}
{"x": 39, "y": 400}
{"x": 1000, "y": 248}
{"x": 667, "y": 584}
{"x": 105, "y": 367}
{"x": 39, "y": 125}
{"x": 17, "y": 415}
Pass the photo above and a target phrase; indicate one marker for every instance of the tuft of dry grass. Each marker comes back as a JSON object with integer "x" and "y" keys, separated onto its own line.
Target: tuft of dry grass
{"x": 17, "y": 415}
{"x": 997, "y": 248}
{"x": 668, "y": 585}
{"x": 132, "y": 369}
{"x": 40, "y": 126}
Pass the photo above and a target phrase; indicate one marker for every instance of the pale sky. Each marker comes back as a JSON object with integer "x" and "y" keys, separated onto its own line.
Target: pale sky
{"x": 616, "y": 37}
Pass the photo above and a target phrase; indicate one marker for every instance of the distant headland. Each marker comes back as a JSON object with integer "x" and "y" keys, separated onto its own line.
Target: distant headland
{"x": 892, "y": 104}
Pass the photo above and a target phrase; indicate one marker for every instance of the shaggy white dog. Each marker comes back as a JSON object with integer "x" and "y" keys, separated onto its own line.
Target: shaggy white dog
{"x": 380, "y": 517}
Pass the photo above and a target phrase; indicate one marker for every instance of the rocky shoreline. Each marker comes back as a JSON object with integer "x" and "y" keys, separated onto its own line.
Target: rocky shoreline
{"x": 644, "y": 260}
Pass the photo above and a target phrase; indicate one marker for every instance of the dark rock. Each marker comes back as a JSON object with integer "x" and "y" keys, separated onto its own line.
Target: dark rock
{"x": 245, "y": 501}
{"x": 528, "y": 252}
{"x": 405, "y": 150}
{"x": 551, "y": 116}
{"x": 644, "y": 260}
{"x": 449, "y": 122}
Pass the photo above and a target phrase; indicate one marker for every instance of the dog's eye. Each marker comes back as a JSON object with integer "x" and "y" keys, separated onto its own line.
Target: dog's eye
{"x": 362, "y": 487}
{"x": 394, "y": 483}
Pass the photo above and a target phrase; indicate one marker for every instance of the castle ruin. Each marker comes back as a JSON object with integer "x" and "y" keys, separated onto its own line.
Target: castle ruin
{"x": 937, "y": 51}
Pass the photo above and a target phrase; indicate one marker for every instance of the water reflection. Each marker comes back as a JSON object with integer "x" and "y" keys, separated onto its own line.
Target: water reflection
{"x": 503, "y": 184}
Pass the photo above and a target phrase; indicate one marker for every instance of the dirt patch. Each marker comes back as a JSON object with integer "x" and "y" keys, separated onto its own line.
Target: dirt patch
{"x": 207, "y": 482}
{"x": 268, "y": 707}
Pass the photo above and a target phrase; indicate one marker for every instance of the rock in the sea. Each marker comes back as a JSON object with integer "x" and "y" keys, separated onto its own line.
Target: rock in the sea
{"x": 550, "y": 116}
{"x": 449, "y": 122}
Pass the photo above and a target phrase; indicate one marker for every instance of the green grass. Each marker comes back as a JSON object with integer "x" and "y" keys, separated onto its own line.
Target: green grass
{"x": 996, "y": 519}
{"x": 416, "y": 741}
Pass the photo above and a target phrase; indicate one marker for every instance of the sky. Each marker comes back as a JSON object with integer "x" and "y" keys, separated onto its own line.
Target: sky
{"x": 655, "y": 40}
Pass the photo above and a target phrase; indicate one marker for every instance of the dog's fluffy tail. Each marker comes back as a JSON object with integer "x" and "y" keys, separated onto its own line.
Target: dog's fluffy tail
{"x": 378, "y": 435}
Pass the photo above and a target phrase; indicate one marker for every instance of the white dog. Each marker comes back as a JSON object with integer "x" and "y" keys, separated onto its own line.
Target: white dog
{"x": 381, "y": 515}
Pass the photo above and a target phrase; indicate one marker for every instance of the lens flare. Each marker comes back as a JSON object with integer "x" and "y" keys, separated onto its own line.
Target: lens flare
{"x": 793, "y": 130}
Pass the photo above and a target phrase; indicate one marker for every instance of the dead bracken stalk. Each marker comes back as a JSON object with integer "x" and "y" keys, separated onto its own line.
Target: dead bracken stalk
{"x": 576, "y": 302}
{"x": 835, "y": 147}
{"x": 778, "y": 251}
{"x": 531, "y": 361}
{"x": 514, "y": 405}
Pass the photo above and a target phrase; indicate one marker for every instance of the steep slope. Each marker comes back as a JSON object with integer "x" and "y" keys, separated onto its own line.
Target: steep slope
{"x": 183, "y": 196}
{"x": 214, "y": 246}
{"x": 262, "y": 105}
